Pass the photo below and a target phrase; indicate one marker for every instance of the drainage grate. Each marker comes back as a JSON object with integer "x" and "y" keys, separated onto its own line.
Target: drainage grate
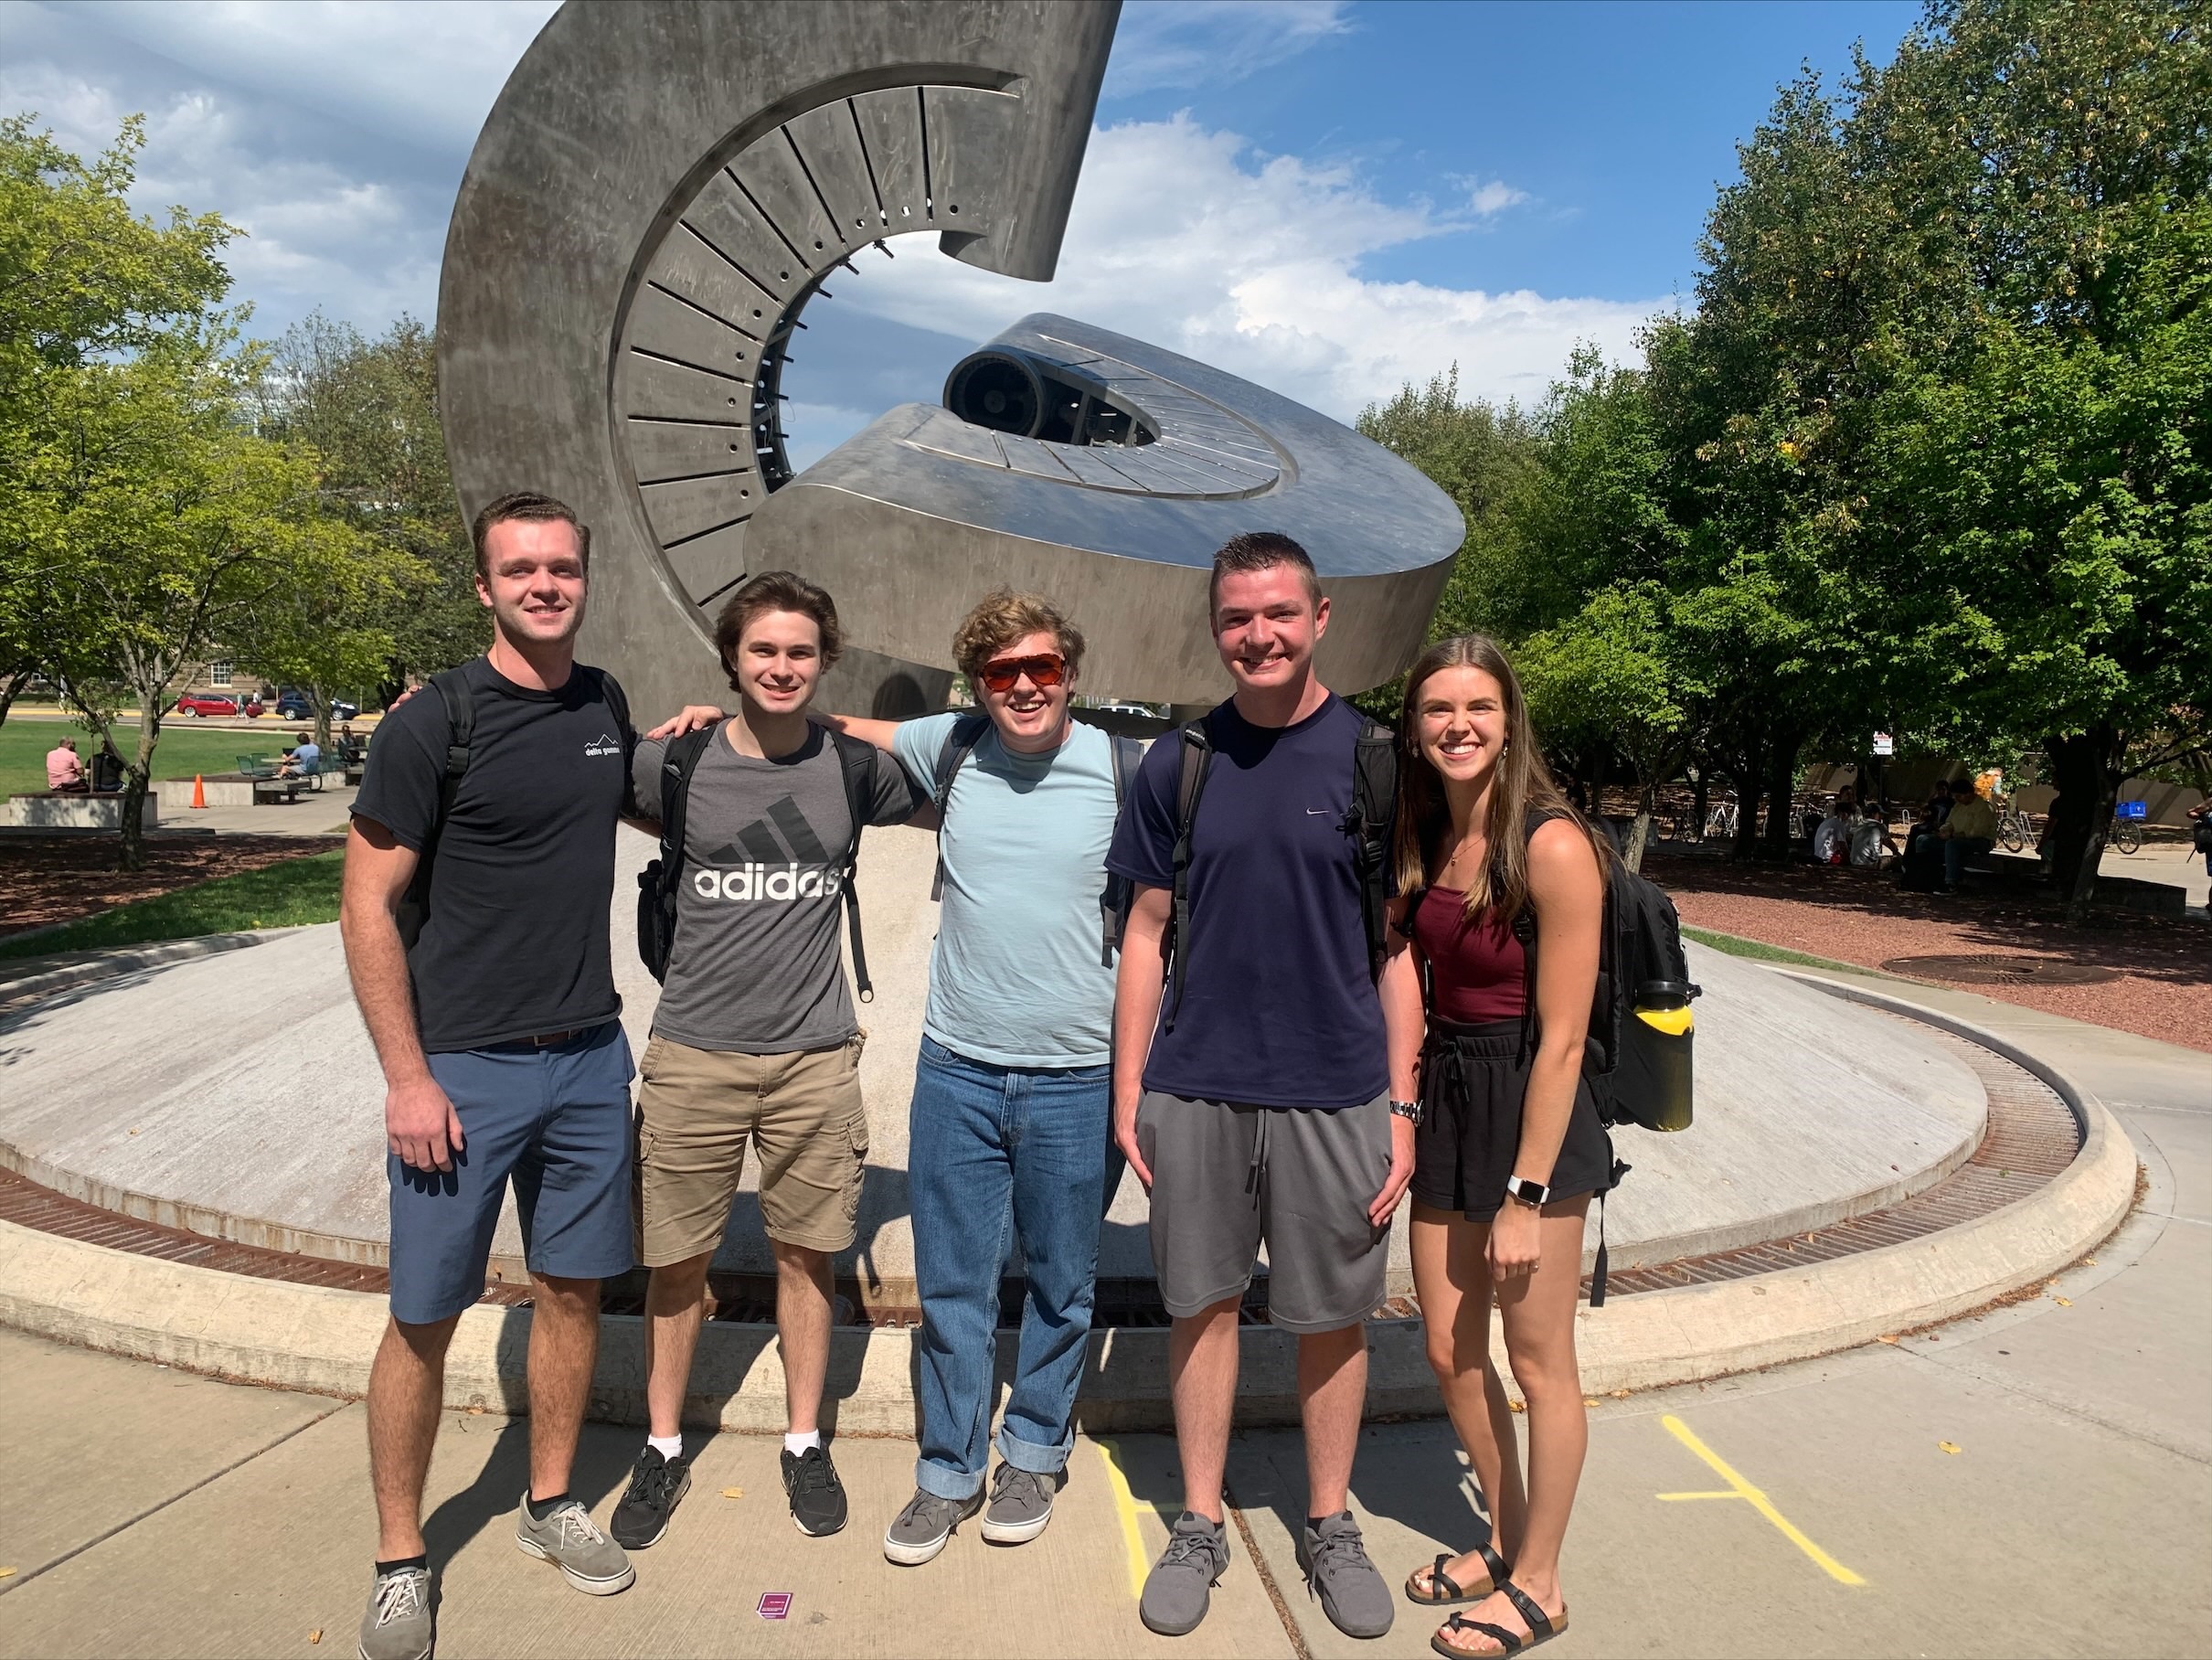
{"x": 2031, "y": 1137}
{"x": 1998, "y": 968}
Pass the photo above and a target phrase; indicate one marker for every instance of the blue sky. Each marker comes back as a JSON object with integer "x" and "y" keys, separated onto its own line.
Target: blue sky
{"x": 1328, "y": 198}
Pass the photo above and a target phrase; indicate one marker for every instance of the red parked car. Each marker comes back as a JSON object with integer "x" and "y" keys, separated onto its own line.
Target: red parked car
{"x": 195, "y": 706}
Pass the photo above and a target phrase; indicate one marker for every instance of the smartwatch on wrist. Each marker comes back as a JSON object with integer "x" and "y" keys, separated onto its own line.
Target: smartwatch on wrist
{"x": 1534, "y": 1194}
{"x": 1409, "y": 1111}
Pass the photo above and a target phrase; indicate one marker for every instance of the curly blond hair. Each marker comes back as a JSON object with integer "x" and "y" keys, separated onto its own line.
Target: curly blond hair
{"x": 1001, "y": 619}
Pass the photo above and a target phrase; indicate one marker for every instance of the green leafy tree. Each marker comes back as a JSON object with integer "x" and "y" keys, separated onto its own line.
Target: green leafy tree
{"x": 370, "y": 409}
{"x": 166, "y": 525}
{"x": 83, "y": 278}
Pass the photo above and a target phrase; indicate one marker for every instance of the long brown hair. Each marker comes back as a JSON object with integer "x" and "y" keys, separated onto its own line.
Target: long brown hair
{"x": 1523, "y": 783}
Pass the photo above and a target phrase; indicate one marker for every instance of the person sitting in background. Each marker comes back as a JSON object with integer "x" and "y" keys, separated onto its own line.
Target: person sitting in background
{"x": 64, "y": 771}
{"x": 1870, "y": 839}
{"x": 303, "y": 761}
{"x": 1969, "y": 831}
{"x": 1832, "y": 836}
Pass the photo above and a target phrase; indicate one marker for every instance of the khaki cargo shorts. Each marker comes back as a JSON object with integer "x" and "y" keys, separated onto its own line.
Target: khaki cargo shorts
{"x": 698, "y": 1110}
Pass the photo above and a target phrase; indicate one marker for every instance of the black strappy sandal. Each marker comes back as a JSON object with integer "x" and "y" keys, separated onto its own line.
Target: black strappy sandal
{"x": 1439, "y": 1581}
{"x": 1542, "y": 1628}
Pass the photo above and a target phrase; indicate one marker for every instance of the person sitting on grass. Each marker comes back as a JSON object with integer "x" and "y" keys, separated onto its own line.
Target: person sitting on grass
{"x": 1970, "y": 832}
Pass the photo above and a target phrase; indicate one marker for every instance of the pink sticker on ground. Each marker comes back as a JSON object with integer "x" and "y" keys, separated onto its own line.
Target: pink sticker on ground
{"x": 775, "y": 1605}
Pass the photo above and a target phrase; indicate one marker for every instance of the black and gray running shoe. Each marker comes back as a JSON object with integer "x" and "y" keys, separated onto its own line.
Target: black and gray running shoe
{"x": 818, "y": 1496}
{"x": 658, "y": 1485}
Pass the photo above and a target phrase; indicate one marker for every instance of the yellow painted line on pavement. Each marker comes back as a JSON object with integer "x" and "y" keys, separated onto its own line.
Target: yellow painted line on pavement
{"x": 1743, "y": 1489}
{"x": 1125, "y": 1506}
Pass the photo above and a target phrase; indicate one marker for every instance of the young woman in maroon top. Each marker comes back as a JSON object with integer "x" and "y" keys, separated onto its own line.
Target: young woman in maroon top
{"x": 1483, "y": 838}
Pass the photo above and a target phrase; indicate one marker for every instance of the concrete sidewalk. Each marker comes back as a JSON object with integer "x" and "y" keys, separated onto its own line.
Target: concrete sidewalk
{"x": 2034, "y": 1480}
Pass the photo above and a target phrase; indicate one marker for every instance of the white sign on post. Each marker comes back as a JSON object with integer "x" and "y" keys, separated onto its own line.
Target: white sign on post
{"x": 1885, "y": 743}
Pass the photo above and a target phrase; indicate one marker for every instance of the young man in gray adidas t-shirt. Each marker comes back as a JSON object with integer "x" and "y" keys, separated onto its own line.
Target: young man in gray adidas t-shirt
{"x": 1012, "y": 1093}
{"x": 755, "y": 1039}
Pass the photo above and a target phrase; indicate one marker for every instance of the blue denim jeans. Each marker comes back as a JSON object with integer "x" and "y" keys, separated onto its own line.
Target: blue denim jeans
{"x": 995, "y": 1154}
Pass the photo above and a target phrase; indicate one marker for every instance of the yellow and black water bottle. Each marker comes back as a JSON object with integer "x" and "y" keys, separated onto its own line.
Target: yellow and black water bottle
{"x": 1654, "y": 1081}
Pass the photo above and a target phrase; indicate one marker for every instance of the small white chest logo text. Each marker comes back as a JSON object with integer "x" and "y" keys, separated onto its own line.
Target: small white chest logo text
{"x": 604, "y": 745}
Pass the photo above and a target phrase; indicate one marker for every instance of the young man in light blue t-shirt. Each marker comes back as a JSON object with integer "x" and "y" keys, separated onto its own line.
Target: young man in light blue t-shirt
{"x": 1013, "y": 1090}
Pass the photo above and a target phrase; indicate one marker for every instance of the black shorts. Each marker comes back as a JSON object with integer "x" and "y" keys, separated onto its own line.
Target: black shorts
{"x": 1473, "y": 1080}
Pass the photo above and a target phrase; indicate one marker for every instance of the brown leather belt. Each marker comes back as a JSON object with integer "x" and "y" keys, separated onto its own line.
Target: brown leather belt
{"x": 547, "y": 1039}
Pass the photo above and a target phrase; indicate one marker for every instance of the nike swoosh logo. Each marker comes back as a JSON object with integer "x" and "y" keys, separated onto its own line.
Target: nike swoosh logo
{"x": 1317, "y": 813}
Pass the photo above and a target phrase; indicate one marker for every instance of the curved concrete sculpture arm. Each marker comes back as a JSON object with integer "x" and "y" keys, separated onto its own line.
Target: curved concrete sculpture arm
{"x": 656, "y": 194}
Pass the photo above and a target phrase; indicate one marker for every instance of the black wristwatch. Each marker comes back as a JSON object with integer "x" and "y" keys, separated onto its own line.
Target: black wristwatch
{"x": 1411, "y": 1110}
{"x": 1529, "y": 1193}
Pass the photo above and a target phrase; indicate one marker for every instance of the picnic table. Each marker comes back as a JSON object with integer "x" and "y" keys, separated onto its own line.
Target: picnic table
{"x": 268, "y": 786}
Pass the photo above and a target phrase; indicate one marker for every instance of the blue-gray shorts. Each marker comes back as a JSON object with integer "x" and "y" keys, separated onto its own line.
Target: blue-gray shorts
{"x": 556, "y": 1118}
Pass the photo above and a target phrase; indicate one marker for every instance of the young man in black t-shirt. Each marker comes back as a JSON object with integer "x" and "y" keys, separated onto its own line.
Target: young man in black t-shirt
{"x": 495, "y": 1028}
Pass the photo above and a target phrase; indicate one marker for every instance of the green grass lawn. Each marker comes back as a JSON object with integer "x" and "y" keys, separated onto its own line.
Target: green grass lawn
{"x": 291, "y": 895}
{"x": 187, "y": 747}
{"x": 1761, "y": 952}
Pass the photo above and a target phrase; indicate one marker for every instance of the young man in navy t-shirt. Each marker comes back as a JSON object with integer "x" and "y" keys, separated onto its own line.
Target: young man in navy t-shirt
{"x": 1256, "y": 1105}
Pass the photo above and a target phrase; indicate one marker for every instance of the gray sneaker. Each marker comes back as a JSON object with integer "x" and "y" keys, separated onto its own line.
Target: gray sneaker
{"x": 590, "y": 1560}
{"x": 398, "y": 1625}
{"x": 1021, "y": 1504}
{"x": 919, "y": 1531}
{"x": 1336, "y": 1570}
{"x": 1182, "y": 1581}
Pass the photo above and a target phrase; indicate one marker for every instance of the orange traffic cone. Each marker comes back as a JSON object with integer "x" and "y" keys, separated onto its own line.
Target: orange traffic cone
{"x": 199, "y": 792}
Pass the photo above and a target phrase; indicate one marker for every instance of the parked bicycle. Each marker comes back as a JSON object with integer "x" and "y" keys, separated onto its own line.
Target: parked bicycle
{"x": 2015, "y": 834}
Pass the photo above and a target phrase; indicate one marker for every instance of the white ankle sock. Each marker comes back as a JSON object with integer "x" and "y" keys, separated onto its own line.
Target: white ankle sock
{"x": 667, "y": 1446}
{"x": 796, "y": 1445}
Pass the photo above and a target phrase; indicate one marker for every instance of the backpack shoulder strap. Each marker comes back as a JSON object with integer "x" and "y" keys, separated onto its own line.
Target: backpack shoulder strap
{"x": 452, "y": 688}
{"x": 1373, "y": 814}
{"x": 679, "y": 763}
{"x": 1194, "y": 756}
{"x": 960, "y": 739}
{"x": 858, "y": 761}
{"x": 1127, "y": 755}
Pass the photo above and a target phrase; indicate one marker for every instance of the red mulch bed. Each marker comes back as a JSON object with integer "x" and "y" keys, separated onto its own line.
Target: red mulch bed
{"x": 2165, "y": 967}
{"x": 58, "y": 878}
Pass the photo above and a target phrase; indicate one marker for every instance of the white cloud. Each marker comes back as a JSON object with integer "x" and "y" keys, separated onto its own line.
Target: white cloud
{"x": 1253, "y": 263}
{"x": 1494, "y": 198}
{"x": 420, "y": 75}
{"x": 336, "y": 135}
{"x": 1165, "y": 43}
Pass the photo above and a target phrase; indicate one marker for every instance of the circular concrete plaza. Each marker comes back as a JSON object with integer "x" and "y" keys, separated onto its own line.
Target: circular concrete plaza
{"x": 238, "y": 1095}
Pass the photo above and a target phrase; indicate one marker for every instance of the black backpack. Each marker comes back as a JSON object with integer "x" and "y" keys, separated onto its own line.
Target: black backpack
{"x": 1641, "y": 946}
{"x": 1368, "y": 821}
{"x": 656, "y": 884}
{"x": 452, "y": 688}
{"x": 1113, "y": 902}
{"x": 2200, "y": 834}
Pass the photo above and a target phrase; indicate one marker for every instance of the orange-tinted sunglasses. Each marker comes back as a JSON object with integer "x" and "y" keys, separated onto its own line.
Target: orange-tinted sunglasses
{"x": 1045, "y": 670}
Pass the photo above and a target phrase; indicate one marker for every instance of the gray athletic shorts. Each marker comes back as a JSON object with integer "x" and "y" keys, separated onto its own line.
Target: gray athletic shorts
{"x": 1226, "y": 1177}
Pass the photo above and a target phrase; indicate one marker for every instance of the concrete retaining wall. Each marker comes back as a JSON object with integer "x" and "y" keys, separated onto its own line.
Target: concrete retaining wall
{"x": 74, "y": 812}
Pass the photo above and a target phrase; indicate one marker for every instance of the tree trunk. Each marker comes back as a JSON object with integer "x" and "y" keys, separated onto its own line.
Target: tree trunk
{"x": 2067, "y": 831}
{"x": 137, "y": 781}
{"x": 1782, "y": 784}
{"x": 2087, "y": 770}
{"x": 1647, "y": 795}
{"x": 11, "y": 689}
{"x": 320, "y": 696}
{"x": 1748, "y": 779}
{"x": 1701, "y": 790}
